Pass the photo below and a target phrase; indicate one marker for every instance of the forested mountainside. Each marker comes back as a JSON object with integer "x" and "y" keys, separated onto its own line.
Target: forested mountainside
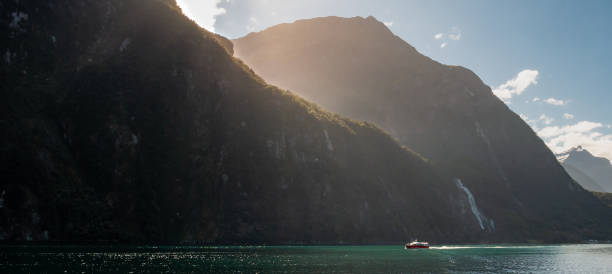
{"x": 357, "y": 67}
{"x": 122, "y": 120}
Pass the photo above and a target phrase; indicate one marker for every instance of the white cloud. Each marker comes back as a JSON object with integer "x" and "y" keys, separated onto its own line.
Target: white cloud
{"x": 555, "y": 102}
{"x": 535, "y": 99}
{"x": 580, "y": 127}
{"x": 203, "y": 12}
{"x": 542, "y": 121}
{"x": 545, "y": 119}
{"x": 568, "y": 116}
{"x": 517, "y": 85}
{"x": 252, "y": 25}
{"x": 388, "y": 24}
{"x": 583, "y": 133}
{"x": 454, "y": 34}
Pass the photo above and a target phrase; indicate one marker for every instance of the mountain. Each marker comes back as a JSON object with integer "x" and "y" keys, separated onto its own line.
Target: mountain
{"x": 605, "y": 197}
{"x": 124, "y": 121}
{"x": 593, "y": 173}
{"x": 359, "y": 68}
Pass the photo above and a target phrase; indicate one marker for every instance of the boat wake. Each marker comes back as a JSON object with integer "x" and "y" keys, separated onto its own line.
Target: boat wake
{"x": 477, "y": 247}
{"x": 452, "y": 247}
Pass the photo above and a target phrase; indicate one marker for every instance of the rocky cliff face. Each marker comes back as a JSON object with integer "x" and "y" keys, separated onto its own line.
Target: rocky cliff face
{"x": 124, "y": 121}
{"x": 357, "y": 67}
{"x": 593, "y": 173}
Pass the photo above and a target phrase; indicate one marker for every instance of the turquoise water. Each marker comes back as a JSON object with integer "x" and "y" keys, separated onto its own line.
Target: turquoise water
{"x": 595, "y": 258}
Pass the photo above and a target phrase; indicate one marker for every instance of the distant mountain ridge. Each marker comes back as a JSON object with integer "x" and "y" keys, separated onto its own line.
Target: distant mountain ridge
{"x": 359, "y": 68}
{"x": 593, "y": 173}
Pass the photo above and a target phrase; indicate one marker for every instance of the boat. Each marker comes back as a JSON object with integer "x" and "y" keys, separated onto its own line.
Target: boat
{"x": 417, "y": 244}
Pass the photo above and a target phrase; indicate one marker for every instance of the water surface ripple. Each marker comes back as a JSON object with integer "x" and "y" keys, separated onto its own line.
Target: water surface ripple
{"x": 593, "y": 258}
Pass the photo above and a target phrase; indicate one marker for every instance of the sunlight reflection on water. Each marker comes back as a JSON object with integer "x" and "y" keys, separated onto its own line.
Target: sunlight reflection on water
{"x": 299, "y": 259}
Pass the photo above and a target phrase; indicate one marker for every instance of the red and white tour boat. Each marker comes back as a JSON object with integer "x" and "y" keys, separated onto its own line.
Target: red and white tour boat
{"x": 417, "y": 244}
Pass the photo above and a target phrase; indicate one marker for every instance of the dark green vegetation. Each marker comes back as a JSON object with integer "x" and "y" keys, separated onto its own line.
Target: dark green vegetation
{"x": 358, "y": 68}
{"x": 121, "y": 120}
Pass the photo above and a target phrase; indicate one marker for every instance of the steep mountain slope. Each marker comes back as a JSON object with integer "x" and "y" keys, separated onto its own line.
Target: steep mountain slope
{"x": 124, "y": 121}
{"x": 357, "y": 67}
{"x": 605, "y": 197}
{"x": 583, "y": 179}
{"x": 593, "y": 173}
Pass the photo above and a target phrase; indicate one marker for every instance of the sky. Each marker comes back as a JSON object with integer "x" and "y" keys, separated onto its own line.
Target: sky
{"x": 548, "y": 60}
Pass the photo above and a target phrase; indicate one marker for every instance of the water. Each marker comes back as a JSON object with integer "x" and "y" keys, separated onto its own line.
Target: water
{"x": 595, "y": 258}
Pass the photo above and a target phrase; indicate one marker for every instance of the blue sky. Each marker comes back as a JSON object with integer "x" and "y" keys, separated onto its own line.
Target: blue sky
{"x": 549, "y": 60}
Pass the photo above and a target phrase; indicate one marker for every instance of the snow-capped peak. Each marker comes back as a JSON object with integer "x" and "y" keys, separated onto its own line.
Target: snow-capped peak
{"x": 561, "y": 157}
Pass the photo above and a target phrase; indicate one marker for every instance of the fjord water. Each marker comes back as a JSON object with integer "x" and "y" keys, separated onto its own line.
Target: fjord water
{"x": 593, "y": 258}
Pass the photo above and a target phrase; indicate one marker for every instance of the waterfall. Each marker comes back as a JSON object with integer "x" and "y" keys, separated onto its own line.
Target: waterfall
{"x": 482, "y": 220}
